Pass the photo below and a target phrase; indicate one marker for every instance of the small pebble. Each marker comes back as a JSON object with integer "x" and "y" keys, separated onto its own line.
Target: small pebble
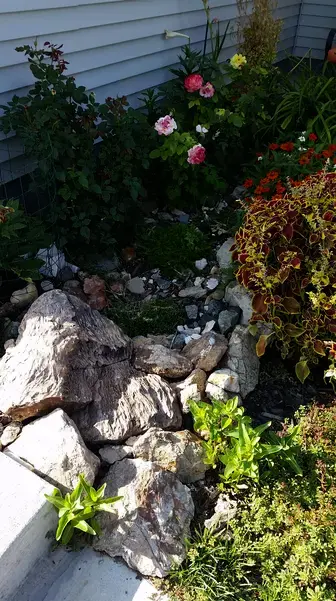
{"x": 201, "y": 264}
{"x": 212, "y": 283}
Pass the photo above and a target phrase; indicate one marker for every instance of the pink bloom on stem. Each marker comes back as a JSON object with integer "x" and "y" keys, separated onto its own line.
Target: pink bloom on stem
{"x": 196, "y": 154}
{"x": 165, "y": 125}
{"x": 193, "y": 82}
{"x": 207, "y": 91}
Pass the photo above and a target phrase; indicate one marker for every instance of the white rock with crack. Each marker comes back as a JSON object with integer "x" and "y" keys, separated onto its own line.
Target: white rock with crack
{"x": 242, "y": 359}
{"x": 237, "y": 296}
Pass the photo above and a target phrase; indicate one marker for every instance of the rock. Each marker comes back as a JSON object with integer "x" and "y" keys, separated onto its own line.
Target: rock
{"x": 178, "y": 341}
{"x": 224, "y": 256}
{"x": 136, "y": 286}
{"x": 191, "y": 311}
{"x": 55, "y": 449}
{"x": 201, "y": 264}
{"x": 65, "y": 274}
{"x": 157, "y": 359}
{"x": 192, "y": 388}
{"x": 242, "y": 359}
{"x": 206, "y": 352}
{"x": 218, "y": 294}
{"x": 10, "y": 433}
{"x": 225, "y": 510}
{"x": 239, "y": 192}
{"x": 9, "y": 344}
{"x": 226, "y": 379}
{"x": 198, "y": 281}
{"x": 209, "y": 326}
{"x": 152, "y": 519}
{"x": 128, "y": 404}
{"x": 111, "y": 453}
{"x": 63, "y": 357}
{"x": 214, "y": 308}
{"x": 74, "y": 287}
{"x": 10, "y": 329}
{"x": 228, "y": 318}
{"x": 47, "y": 285}
{"x": 212, "y": 283}
{"x": 25, "y": 296}
{"x": 193, "y": 292}
{"x": 179, "y": 452}
{"x": 214, "y": 392}
{"x": 94, "y": 288}
{"x": 237, "y": 296}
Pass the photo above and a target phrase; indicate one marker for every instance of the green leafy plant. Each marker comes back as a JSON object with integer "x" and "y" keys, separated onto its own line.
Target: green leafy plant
{"x": 258, "y": 31}
{"x": 20, "y": 239}
{"x": 232, "y": 441}
{"x": 157, "y": 316}
{"x": 174, "y": 248}
{"x": 285, "y": 250}
{"x": 77, "y": 510}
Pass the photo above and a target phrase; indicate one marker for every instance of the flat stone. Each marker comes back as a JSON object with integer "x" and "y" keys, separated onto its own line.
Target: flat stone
{"x": 46, "y": 285}
{"x": 206, "y": 352}
{"x": 214, "y": 392}
{"x": 242, "y": 359}
{"x": 212, "y": 283}
{"x": 25, "y": 296}
{"x": 237, "y": 296}
{"x": 151, "y": 521}
{"x": 111, "y": 453}
{"x": 127, "y": 403}
{"x": 136, "y": 286}
{"x": 10, "y": 433}
{"x": 224, "y": 256}
{"x": 225, "y": 510}
{"x": 53, "y": 446}
{"x": 191, "y": 389}
{"x": 228, "y": 318}
{"x": 179, "y": 452}
{"x": 226, "y": 379}
{"x": 191, "y": 311}
{"x": 193, "y": 292}
{"x": 209, "y": 326}
{"x": 157, "y": 359}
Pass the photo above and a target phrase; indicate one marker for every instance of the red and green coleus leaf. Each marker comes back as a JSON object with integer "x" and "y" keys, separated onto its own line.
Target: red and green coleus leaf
{"x": 291, "y": 305}
{"x": 302, "y": 370}
{"x": 258, "y": 303}
{"x": 262, "y": 344}
{"x": 319, "y": 347}
{"x": 293, "y": 331}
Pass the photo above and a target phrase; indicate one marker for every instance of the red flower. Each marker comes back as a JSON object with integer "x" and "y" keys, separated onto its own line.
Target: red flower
{"x": 273, "y": 146}
{"x": 280, "y": 188}
{"x": 327, "y": 154}
{"x": 248, "y": 183}
{"x": 312, "y": 137}
{"x": 259, "y": 154}
{"x": 272, "y": 175}
{"x": 287, "y": 146}
{"x": 332, "y": 147}
{"x": 304, "y": 160}
{"x": 193, "y": 82}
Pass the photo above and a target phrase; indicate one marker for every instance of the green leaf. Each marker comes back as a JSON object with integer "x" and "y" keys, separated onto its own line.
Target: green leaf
{"x": 82, "y": 179}
{"x": 302, "y": 371}
{"x": 62, "y": 523}
{"x": 67, "y": 534}
{"x": 85, "y": 527}
{"x": 155, "y": 154}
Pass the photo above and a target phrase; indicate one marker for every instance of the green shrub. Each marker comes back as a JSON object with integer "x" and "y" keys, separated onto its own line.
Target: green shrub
{"x": 151, "y": 317}
{"x": 20, "y": 239}
{"x": 174, "y": 248}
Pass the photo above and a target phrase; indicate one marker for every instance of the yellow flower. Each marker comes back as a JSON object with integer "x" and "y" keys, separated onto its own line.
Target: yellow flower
{"x": 238, "y": 61}
{"x": 53, "y": 91}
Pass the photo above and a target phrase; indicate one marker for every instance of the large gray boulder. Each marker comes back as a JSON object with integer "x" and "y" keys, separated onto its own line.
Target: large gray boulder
{"x": 152, "y": 520}
{"x": 179, "y": 452}
{"x": 53, "y": 446}
{"x": 126, "y": 404}
{"x": 160, "y": 360}
{"x": 61, "y": 355}
{"x": 242, "y": 359}
{"x": 224, "y": 256}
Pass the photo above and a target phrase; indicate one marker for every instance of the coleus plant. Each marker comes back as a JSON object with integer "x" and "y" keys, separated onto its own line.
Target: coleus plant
{"x": 287, "y": 258}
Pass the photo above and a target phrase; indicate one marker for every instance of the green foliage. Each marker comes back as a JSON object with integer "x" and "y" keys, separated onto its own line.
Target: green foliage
{"x": 159, "y": 316}
{"x": 285, "y": 250}
{"x": 77, "y": 510}
{"x": 21, "y": 235}
{"x": 307, "y": 101}
{"x": 258, "y": 31}
{"x": 281, "y": 546}
{"x": 232, "y": 441}
{"x": 174, "y": 248}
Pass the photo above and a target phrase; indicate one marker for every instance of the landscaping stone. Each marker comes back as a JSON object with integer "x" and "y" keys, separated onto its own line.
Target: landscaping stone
{"x": 212, "y": 283}
{"x": 111, "y": 453}
{"x": 191, "y": 311}
{"x": 47, "y": 285}
{"x": 178, "y": 452}
{"x": 65, "y": 274}
{"x": 10, "y": 433}
{"x": 63, "y": 357}
{"x": 53, "y": 446}
{"x": 228, "y": 318}
{"x": 225, "y": 510}
{"x": 157, "y": 359}
{"x": 225, "y": 379}
{"x": 128, "y": 404}
{"x": 209, "y": 326}
{"x": 224, "y": 256}
{"x": 193, "y": 292}
{"x": 242, "y": 359}
{"x": 201, "y": 264}
{"x": 191, "y": 389}
{"x": 136, "y": 286}
{"x": 214, "y": 392}
{"x": 74, "y": 287}
{"x": 25, "y": 296}
{"x": 10, "y": 329}
{"x": 206, "y": 352}
{"x": 94, "y": 288}
{"x": 237, "y": 296}
{"x": 213, "y": 308}
{"x": 151, "y": 521}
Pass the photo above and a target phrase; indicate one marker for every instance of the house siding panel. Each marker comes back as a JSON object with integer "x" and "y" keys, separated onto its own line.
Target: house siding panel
{"x": 316, "y": 19}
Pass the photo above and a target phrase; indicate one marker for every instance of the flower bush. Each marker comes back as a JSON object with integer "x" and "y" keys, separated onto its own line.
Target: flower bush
{"x": 285, "y": 164}
{"x": 287, "y": 258}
